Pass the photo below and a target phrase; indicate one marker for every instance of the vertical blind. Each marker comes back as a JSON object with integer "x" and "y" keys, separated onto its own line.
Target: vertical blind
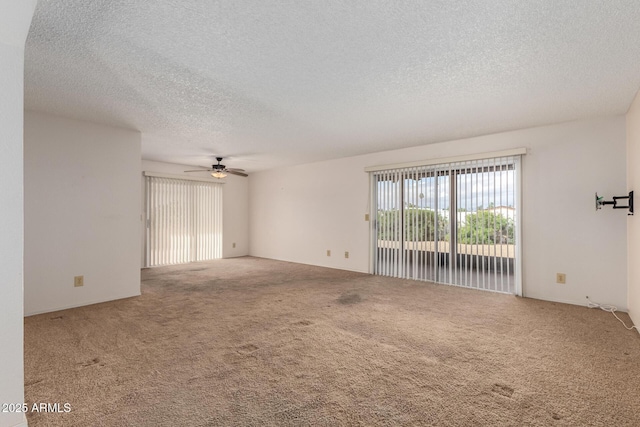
{"x": 453, "y": 223}
{"x": 184, "y": 221}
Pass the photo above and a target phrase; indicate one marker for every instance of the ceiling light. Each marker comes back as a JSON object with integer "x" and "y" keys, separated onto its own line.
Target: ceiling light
{"x": 218, "y": 174}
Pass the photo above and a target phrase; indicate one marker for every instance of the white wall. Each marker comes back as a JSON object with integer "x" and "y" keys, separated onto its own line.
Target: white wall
{"x": 633, "y": 226}
{"x": 82, "y": 198}
{"x": 235, "y": 195}
{"x": 15, "y": 17}
{"x": 298, "y": 213}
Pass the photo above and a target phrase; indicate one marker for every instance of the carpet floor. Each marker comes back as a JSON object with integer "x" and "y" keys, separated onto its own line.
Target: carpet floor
{"x": 255, "y": 342}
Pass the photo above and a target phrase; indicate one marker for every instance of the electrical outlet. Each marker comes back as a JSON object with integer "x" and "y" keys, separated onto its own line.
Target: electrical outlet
{"x": 234, "y": 244}
{"x": 328, "y": 252}
{"x": 366, "y": 217}
{"x": 561, "y": 278}
{"x": 78, "y": 281}
{"x": 346, "y": 254}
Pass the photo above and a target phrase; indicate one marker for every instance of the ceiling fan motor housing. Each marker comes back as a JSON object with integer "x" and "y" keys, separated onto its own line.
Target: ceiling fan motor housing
{"x": 218, "y": 166}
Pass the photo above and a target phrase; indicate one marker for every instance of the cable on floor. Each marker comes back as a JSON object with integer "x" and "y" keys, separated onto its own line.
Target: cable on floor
{"x": 611, "y": 309}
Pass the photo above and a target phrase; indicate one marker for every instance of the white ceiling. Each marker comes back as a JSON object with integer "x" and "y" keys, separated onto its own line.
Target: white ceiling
{"x": 270, "y": 83}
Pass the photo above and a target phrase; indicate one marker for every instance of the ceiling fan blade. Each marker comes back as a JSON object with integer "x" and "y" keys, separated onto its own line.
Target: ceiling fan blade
{"x": 200, "y": 170}
{"x": 235, "y": 172}
{"x": 234, "y": 169}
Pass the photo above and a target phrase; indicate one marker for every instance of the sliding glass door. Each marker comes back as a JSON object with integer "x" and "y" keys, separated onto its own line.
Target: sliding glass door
{"x": 453, "y": 223}
{"x": 184, "y": 221}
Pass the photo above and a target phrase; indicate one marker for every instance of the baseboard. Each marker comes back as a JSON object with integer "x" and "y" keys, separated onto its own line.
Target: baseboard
{"x": 354, "y": 270}
{"x": 22, "y": 423}
{"x": 633, "y": 316}
{"x": 82, "y": 304}
{"x": 558, "y": 300}
{"x": 582, "y": 303}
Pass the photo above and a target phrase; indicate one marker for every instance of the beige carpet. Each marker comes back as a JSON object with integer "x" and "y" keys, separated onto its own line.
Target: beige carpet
{"x": 256, "y": 342}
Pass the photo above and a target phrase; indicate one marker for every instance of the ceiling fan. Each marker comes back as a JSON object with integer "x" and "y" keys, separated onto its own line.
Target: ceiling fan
{"x": 220, "y": 171}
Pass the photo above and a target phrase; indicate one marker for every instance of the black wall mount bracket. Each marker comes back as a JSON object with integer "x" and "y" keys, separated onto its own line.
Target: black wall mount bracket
{"x": 600, "y": 202}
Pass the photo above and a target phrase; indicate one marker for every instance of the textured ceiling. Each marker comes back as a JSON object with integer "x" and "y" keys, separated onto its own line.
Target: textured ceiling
{"x": 270, "y": 83}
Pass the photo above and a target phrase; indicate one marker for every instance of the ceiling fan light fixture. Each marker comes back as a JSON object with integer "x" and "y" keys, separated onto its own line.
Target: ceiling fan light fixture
{"x": 218, "y": 174}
